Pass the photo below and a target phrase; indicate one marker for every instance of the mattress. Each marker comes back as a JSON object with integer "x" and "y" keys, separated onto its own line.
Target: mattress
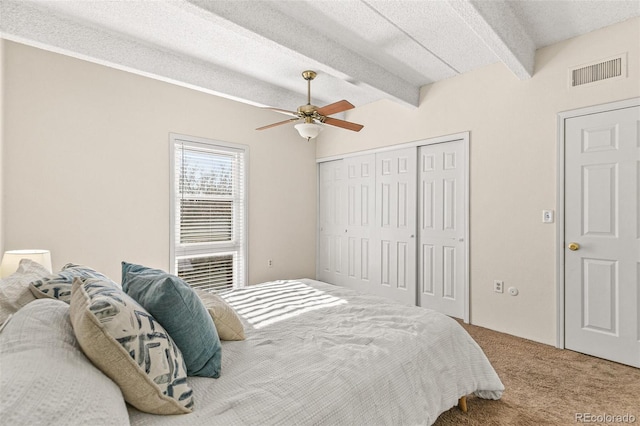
{"x": 321, "y": 354}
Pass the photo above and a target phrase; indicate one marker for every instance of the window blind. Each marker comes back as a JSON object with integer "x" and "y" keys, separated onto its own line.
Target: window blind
{"x": 209, "y": 204}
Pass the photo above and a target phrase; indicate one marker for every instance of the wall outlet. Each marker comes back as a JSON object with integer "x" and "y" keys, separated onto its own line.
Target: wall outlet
{"x": 270, "y": 263}
{"x": 498, "y": 286}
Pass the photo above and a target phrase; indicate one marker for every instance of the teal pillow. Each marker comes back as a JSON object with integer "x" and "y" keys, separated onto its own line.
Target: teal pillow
{"x": 177, "y": 307}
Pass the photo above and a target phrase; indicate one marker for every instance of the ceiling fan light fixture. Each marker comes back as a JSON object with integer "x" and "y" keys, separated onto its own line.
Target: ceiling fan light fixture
{"x": 308, "y": 130}
{"x": 312, "y": 115}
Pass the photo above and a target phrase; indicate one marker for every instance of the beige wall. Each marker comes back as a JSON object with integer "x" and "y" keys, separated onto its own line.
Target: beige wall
{"x": 86, "y": 166}
{"x": 513, "y": 127}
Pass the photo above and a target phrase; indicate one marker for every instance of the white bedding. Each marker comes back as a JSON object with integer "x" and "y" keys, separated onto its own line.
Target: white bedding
{"x": 321, "y": 354}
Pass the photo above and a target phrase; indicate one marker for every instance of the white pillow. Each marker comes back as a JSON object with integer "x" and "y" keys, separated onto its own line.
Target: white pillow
{"x": 14, "y": 289}
{"x": 46, "y": 379}
{"x": 124, "y": 341}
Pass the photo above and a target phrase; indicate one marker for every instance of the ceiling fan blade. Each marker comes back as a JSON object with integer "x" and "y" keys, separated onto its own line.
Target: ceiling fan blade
{"x": 344, "y": 124}
{"x": 283, "y": 111}
{"x": 278, "y": 123}
{"x": 335, "y": 107}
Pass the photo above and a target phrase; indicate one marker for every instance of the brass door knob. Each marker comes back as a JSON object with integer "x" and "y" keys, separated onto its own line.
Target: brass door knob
{"x": 574, "y": 246}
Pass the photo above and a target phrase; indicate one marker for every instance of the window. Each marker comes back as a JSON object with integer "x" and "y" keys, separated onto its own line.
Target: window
{"x": 208, "y": 186}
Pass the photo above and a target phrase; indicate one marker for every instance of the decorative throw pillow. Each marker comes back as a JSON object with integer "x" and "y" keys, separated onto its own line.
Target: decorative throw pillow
{"x": 177, "y": 307}
{"x": 14, "y": 289}
{"x": 227, "y": 321}
{"x": 58, "y": 286}
{"x": 130, "y": 346}
{"x": 46, "y": 379}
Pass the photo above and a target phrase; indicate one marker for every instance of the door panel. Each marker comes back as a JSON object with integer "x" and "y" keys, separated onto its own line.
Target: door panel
{"x": 449, "y": 274}
{"x": 331, "y": 221}
{"x": 441, "y": 202}
{"x": 360, "y": 227}
{"x": 427, "y": 269}
{"x": 601, "y": 216}
{"x": 599, "y": 290}
{"x": 396, "y": 207}
{"x": 599, "y": 186}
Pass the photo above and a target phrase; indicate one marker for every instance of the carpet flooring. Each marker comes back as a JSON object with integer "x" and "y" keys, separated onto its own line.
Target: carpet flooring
{"x": 549, "y": 386}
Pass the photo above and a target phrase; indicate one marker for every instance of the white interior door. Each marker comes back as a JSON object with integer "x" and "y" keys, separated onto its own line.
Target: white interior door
{"x": 331, "y": 222}
{"x": 441, "y": 231}
{"x": 360, "y": 233}
{"x": 396, "y": 217}
{"x": 602, "y": 235}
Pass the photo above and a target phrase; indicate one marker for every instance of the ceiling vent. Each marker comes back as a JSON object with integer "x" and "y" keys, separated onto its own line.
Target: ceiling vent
{"x": 606, "y": 69}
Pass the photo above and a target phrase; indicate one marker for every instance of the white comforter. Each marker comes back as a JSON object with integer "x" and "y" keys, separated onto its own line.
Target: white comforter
{"x": 321, "y": 354}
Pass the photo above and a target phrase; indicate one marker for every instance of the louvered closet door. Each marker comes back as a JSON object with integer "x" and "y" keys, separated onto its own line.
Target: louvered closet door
{"x": 396, "y": 218}
{"x": 360, "y": 231}
{"x": 331, "y": 259}
{"x": 441, "y": 211}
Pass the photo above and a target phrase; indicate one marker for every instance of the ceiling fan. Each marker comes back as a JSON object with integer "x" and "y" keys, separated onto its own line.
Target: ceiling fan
{"x": 312, "y": 115}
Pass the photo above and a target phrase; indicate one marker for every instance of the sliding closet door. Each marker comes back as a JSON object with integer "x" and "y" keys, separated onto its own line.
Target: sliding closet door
{"x": 395, "y": 223}
{"x": 442, "y": 246}
{"x": 396, "y": 218}
{"x": 360, "y": 231}
{"x": 331, "y": 220}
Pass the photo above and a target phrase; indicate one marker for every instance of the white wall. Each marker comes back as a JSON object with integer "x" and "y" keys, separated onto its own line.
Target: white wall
{"x": 86, "y": 166}
{"x": 1, "y": 144}
{"x": 513, "y": 127}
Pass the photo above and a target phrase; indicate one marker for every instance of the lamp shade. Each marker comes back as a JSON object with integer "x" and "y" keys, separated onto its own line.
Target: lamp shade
{"x": 308, "y": 130}
{"x": 12, "y": 258}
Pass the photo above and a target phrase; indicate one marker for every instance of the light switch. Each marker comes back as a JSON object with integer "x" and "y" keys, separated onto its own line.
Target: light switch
{"x": 547, "y": 216}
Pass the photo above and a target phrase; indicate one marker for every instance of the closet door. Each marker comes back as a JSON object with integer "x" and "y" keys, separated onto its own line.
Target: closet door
{"x": 441, "y": 211}
{"x": 360, "y": 230}
{"x": 331, "y": 221}
{"x": 396, "y": 223}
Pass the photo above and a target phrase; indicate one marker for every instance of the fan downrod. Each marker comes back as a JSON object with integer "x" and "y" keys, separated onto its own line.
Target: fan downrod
{"x": 308, "y": 75}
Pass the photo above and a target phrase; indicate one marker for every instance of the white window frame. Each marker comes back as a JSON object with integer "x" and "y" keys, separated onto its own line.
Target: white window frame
{"x": 240, "y": 246}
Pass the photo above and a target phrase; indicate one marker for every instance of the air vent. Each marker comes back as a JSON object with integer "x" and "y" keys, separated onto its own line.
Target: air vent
{"x": 610, "y": 68}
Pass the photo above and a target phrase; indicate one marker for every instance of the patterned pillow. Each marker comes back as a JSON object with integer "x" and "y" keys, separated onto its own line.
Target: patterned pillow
{"x": 176, "y": 306}
{"x": 14, "y": 289}
{"x": 225, "y": 318}
{"x": 130, "y": 346}
{"x": 58, "y": 286}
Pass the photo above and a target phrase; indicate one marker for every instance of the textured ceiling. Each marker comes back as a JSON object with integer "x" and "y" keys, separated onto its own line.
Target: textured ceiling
{"x": 254, "y": 51}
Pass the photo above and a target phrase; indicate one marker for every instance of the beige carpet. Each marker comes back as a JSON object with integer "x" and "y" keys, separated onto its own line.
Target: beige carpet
{"x": 548, "y": 386}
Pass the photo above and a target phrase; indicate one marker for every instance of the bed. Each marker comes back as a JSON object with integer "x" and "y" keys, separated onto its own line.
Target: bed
{"x": 313, "y": 353}
{"x": 316, "y": 353}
